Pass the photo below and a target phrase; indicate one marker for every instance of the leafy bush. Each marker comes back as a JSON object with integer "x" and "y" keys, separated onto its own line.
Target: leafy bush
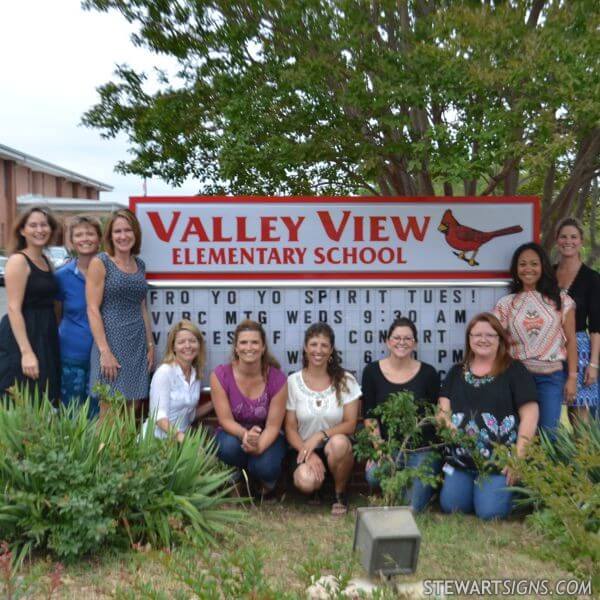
{"x": 400, "y": 415}
{"x": 70, "y": 485}
{"x": 561, "y": 478}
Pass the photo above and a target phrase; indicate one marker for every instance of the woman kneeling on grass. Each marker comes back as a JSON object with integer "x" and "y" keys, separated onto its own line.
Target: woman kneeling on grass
{"x": 322, "y": 410}
{"x": 175, "y": 388}
{"x": 249, "y": 398}
{"x": 492, "y": 398}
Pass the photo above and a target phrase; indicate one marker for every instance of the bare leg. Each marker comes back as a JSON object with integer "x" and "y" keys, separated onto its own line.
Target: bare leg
{"x": 305, "y": 480}
{"x": 340, "y": 461}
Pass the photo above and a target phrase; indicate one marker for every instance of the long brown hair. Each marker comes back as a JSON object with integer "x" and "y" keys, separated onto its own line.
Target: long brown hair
{"x": 184, "y": 325}
{"x": 126, "y": 214}
{"x": 267, "y": 359}
{"x": 334, "y": 365}
{"x": 17, "y": 241}
{"x": 503, "y": 358}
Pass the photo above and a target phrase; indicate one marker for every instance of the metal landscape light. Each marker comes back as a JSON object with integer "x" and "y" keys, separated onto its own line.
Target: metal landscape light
{"x": 387, "y": 540}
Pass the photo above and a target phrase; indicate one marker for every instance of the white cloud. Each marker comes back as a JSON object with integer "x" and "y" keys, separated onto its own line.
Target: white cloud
{"x": 54, "y": 55}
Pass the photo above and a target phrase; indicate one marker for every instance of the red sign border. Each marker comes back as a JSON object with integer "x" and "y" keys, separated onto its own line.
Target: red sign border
{"x": 534, "y": 201}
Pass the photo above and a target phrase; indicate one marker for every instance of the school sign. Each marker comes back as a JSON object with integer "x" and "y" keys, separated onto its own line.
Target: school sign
{"x": 354, "y": 262}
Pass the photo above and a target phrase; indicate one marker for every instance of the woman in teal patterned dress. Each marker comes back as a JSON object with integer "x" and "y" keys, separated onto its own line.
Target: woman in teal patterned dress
{"x": 123, "y": 351}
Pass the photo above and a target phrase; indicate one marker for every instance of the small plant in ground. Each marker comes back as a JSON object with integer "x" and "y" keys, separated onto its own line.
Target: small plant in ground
{"x": 400, "y": 415}
{"x": 561, "y": 478}
{"x": 70, "y": 485}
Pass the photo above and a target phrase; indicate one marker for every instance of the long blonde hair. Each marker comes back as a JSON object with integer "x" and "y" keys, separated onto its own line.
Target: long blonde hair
{"x": 184, "y": 325}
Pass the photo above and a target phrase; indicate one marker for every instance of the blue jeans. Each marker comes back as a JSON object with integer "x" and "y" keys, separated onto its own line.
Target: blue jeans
{"x": 265, "y": 467}
{"x": 466, "y": 491}
{"x": 419, "y": 494}
{"x": 550, "y": 390}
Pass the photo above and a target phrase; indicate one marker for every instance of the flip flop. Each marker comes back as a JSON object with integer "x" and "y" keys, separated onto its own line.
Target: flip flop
{"x": 340, "y": 506}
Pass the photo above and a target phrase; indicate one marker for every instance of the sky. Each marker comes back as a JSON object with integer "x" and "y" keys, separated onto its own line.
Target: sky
{"x": 54, "y": 55}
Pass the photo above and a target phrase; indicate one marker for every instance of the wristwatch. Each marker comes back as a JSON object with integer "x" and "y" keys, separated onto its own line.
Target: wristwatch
{"x": 325, "y": 436}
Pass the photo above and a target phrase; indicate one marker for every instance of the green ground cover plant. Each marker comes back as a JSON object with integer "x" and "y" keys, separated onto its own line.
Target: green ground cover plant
{"x": 561, "y": 480}
{"x": 70, "y": 485}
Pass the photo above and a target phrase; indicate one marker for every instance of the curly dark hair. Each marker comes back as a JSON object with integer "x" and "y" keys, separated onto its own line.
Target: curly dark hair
{"x": 547, "y": 284}
{"x": 334, "y": 365}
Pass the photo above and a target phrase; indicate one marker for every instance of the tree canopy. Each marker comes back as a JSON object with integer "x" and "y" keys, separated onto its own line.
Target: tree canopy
{"x": 379, "y": 97}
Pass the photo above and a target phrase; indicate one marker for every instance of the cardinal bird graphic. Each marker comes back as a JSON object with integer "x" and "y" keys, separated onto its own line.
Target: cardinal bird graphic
{"x": 466, "y": 239}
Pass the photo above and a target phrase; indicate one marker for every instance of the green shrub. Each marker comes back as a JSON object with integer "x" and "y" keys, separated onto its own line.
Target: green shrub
{"x": 561, "y": 478}
{"x": 70, "y": 485}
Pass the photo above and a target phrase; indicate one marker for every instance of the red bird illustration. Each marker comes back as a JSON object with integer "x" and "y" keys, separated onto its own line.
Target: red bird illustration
{"x": 467, "y": 239}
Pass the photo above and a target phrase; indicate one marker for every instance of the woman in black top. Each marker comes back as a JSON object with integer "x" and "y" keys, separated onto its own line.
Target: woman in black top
{"x": 583, "y": 285}
{"x": 491, "y": 398}
{"x": 400, "y": 371}
{"x": 29, "y": 352}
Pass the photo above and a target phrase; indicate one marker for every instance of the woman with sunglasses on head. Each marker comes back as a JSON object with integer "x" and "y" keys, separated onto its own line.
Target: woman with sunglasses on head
{"x": 583, "y": 285}
{"x": 74, "y": 329}
{"x": 540, "y": 322}
{"x": 29, "y": 349}
{"x": 400, "y": 371}
{"x": 249, "y": 396}
{"x": 491, "y": 398}
{"x": 175, "y": 388}
{"x": 322, "y": 411}
{"x": 123, "y": 352}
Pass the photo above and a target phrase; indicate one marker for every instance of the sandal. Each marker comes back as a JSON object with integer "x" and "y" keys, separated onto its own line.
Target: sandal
{"x": 340, "y": 506}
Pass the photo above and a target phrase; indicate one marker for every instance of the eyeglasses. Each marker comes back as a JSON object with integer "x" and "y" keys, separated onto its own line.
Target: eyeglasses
{"x": 484, "y": 336}
{"x": 402, "y": 340}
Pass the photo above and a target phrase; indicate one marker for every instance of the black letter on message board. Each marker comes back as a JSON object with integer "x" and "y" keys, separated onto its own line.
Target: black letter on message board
{"x": 202, "y": 317}
{"x": 443, "y": 296}
{"x": 230, "y": 317}
{"x": 426, "y": 336}
{"x": 215, "y": 296}
{"x": 352, "y": 336}
{"x": 441, "y": 355}
{"x": 231, "y": 297}
{"x": 169, "y": 298}
{"x": 322, "y": 316}
{"x": 185, "y": 297}
{"x": 292, "y": 316}
{"x": 458, "y": 355}
{"x": 186, "y": 315}
{"x": 441, "y": 317}
{"x": 338, "y": 317}
{"x": 156, "y": 337}
{"x": 460, "y": 316}
{"x": 217, "y": 338}
{"x": 292, "y": 356}
{"x": 169, "y": 317}
{"x": 155, "y": 315}
{"x": 457, "y": 294}
{"x": 276, "y": 336}
{"x": 153, "y": 296}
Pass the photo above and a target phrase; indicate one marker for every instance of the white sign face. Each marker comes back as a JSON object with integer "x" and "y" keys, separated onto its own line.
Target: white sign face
{"x": 233, "y": 239}
{"x": 359, "y": 317}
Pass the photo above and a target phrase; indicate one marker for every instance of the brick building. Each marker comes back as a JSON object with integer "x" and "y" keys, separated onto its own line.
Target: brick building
{"x": 26, "y": 180}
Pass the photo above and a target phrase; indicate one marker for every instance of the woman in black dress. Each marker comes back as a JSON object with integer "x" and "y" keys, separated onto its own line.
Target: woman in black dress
{"x": 29, "y": 351}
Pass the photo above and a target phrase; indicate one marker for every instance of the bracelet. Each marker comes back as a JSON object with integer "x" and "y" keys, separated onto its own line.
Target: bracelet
{"x": 593, "y": 365}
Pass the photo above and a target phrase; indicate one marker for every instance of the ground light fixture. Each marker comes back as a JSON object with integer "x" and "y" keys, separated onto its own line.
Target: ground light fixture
{"x": 387, "y": 540}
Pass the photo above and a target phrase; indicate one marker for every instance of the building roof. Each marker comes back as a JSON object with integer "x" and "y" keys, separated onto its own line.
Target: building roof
{"x": 69, "y": 204}
{"x": 42, "y": 166}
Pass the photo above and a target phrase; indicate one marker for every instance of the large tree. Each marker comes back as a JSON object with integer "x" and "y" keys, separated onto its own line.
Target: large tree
{"x": 418, "y": 97}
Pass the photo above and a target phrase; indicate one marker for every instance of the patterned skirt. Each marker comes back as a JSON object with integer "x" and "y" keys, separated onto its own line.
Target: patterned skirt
{"x": 586, "y": 395}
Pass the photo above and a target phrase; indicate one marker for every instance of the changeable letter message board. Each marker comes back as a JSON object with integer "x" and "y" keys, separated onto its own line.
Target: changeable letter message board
{"x": 356, "y": 263}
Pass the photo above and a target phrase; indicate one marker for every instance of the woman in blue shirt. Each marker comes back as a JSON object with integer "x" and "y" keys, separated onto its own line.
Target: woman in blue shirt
{"x": 74, "y": 329}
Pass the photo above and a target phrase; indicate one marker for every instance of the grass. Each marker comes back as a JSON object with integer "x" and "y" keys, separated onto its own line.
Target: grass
{"x": 296, "y": 544}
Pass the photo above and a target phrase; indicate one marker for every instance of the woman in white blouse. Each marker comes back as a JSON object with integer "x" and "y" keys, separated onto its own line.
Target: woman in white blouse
{"x": 175, "y": 388}
{"x": 321, "y": 415}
